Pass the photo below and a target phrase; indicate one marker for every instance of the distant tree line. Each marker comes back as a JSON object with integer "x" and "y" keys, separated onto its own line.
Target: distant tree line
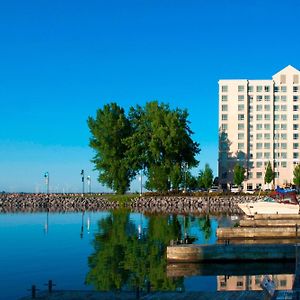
{"x": 154, "y": 139}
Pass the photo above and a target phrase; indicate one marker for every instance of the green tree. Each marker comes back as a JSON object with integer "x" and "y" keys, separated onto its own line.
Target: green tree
{"x": 297, "y": 175}
{"x": 161, "y": 141}
{"x": 206, "y": 177}
{"x": 238, "y": 174}
{"x": 109, "y": 129}
{"x": 269, "y": 175}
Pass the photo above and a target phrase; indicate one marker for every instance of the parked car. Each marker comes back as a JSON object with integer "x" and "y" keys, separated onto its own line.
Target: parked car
{"x": 235, "y": 189}
{"x": 215, "y": 189}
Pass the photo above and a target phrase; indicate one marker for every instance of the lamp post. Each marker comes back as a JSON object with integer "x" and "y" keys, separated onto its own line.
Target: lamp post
{"x": 82, "y": 179}
{"x": 184, "y": 166}
{"x": 141, "y": 180}
{"x": 46, "y": 176}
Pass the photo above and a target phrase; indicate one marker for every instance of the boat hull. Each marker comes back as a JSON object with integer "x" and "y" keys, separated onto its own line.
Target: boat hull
{"x": 261, "y": 207}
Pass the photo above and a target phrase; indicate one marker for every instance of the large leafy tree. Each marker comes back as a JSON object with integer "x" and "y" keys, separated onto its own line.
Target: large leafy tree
{"x": 269, "y": 175}
{"x": 238, "y": 174}
{"x": 297, "y": 175}
{"x": 109, "y": 129}
{"x": 160, "y": 144}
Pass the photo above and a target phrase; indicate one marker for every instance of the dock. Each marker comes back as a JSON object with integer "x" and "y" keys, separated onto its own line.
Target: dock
{"x": 230, "y": 252}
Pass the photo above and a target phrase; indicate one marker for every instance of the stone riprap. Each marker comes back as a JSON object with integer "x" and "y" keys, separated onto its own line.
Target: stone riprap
{"x": 189, "y": 204}
{"x": 147, "y": 204}
{"x": 54, "y": 202}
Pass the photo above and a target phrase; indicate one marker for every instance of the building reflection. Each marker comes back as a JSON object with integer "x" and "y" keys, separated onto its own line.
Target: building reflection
{"x": 252, "y": 282}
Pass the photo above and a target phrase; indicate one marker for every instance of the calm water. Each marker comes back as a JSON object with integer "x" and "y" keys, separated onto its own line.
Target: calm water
{"x": 107, "y": 251}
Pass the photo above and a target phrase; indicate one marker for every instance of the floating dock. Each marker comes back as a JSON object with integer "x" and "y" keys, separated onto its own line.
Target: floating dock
{"x": 230, "y": 252}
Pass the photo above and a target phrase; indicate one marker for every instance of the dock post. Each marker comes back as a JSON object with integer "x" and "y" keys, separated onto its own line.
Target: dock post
{"x": 33, "y": 291}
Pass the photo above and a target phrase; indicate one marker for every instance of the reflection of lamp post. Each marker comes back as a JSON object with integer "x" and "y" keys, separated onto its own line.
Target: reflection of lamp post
{"x": 88, "y": 181}
{"x": 47, "y": 181}
{"x": 47, "y": 222}
{"x": 82, "y": 179}
{"x": 81, "y": 231}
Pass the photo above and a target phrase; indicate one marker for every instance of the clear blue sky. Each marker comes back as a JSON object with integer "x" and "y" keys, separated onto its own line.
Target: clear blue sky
{"x": 61, "y": 60}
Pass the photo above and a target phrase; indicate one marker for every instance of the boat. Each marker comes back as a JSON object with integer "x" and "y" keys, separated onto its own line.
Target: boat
{"x": 280, "y": 201}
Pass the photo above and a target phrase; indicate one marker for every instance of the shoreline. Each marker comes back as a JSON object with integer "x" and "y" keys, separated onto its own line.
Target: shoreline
{"x": 226, "y": 204}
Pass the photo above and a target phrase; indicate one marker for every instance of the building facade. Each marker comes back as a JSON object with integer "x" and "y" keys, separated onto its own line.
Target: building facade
{"x": 259, "y": 123}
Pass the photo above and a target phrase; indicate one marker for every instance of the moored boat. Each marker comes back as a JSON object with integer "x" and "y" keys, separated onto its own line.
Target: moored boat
{"x": 280, "y": 201}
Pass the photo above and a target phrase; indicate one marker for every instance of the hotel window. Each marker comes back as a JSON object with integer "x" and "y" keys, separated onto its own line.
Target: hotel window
{"x": 267, "y": 136}
{"x": 259, "y": 136}
{"x": 267, "y": 126}
{"x": 250, "y": 88}
{"x": 259, "y": 175}
{"x": 276, "y": 127}
{"x": 283, "y": 136}
{"x": 276, "y": 155}
{"x": 283, "y": 146}
{"x": 295, "y": 136}
{"x": 295, "y": 107}
{"x": 295, "y": 126}
{"x": 276, "y": 89}
{"x": 276, "y": 98}
{"x": 224, "y": 117}
{"x": 259, "y": 126}
{"x": 283, "y": 98}
{"x": 283, "y": 107}
{"x": 267, "y": 155}
{"x": 259, "y": 145}
{"x": 276, "y": 117}
{"x": 241, "y": 126}
{"x": 267, "y": 145}
{"x": 251, "y": 137}
{"x": 259, "y": 98}
{"x": 224, "y": 88}
{"x": 295, "y": 89}
{"x": 241, "y": 117}
{"x": 259, "y": 164}
{"x": 276, "y": 136}
{"x": 250, "y": 99}
{"x": 283, "y": 126}
{"x": 224, "y": 98}
{"x": 250, "y": 108}
{"x": 267, "y": 107}
{"x": 259, "y": 88}
{"x": 259, "y": 107}
{"x": 267, "y": 88}
{"x": 240, "y": 107}
{"x": 283, "y": 164}
{"x": 283, "y": 88}
{"x": 295, "y": 79}
{"x": 276, "y": 145}
{"x": 240, "y": 136}
{"x": 282, "y": 78}
{"x": 240, "y": 146}
{"x": 295, "y": 98}
{"x": 241, "y": 98}
{"x": 276, "y": 107}
{"x": 259, "y": 155}
{"x": 224, "y": 107}
{"x": 283, "y": 155}
{"x": 283, "y": 117}
{"x": 295, "y": 145}
{"x": 258, "y": 117}
{"x": 276, "y": 174}
{"x": 224, "y": 127}
{"x": 240, "y": 88}
{"x": 250, "y": 145}
{"x": 295, "y": 117}
{"x": 267, "y": 117}
{"x": 295, "y": 155}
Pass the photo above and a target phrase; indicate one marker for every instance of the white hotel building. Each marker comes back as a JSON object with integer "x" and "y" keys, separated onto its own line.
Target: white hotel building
{"x": 259, "y": 121}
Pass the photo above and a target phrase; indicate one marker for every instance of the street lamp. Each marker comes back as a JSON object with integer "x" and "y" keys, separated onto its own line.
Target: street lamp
{"x": 141, "y": 180}
{"x": 46, "y": 176}
{"x": 82, "y": 179}
{"x": 185, "y": 167}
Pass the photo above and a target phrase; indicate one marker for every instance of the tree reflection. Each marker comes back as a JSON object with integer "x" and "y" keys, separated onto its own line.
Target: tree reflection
{"x": 205, "y": 226}
{"x": 123, "y": 261}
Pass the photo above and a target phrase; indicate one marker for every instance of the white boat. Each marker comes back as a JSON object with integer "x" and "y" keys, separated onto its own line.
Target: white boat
{"x": 279, "y": 202}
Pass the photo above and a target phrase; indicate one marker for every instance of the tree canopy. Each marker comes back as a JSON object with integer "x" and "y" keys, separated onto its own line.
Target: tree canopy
{"x": 238, "y": 174}
{"x": 153, "y": 139}
{"x": 206, "y": 177}
{"x": 297, "y": 175}
{"x": 269, "y": 175}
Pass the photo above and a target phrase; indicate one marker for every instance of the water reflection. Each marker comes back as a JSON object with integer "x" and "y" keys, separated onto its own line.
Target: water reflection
{"x": 127, "y": 258}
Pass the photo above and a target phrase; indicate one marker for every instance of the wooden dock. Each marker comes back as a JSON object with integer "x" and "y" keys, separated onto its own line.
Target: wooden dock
{"x": 230, "y": 252}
